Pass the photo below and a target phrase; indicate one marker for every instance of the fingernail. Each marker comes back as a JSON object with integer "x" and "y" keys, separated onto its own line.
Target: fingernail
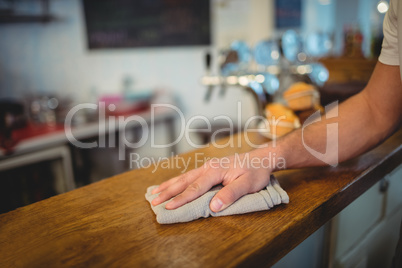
{"x": 216, "y": 205}
{"x": 170, "y": 205}
{"x": 154, "y": 191}
{"x": 155, "y": 201}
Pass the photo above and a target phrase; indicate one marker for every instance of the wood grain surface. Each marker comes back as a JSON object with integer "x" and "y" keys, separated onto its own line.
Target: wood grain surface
{"x": 110, "y": 223}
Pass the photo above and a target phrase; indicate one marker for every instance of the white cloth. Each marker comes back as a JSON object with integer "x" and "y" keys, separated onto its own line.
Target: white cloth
{"x": 265, "y": 199}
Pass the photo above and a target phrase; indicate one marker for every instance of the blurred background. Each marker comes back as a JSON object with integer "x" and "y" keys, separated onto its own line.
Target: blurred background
{"x": 202, "y": 56}
{"x": 207, "y": 58}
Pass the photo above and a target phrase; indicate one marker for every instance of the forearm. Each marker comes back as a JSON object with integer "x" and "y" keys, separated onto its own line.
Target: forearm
{"x": 360, "y": 123}
{"x": 356, "y": 134}
{"x": 357, "y": 125}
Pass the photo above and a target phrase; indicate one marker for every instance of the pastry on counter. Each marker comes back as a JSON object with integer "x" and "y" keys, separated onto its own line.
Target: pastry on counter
{"x": 281, "y": 119}
{"x": 302, "y": 96}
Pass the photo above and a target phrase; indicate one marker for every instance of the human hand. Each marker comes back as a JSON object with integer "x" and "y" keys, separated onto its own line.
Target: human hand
{"x": 239, "y": 174}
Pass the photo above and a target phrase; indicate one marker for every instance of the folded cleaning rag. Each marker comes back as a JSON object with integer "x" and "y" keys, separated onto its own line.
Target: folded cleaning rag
{"x": 265, "y": 199}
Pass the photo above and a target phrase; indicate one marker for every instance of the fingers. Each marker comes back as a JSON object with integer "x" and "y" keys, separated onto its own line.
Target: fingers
{"x": 163, "y": 186}
{"x": 174, "y": 186}
{"x": 195, "y": 190}
{"x": 179, "y": 186}
{"x": 229, "y": 194}
{"x": 233, "y": 191}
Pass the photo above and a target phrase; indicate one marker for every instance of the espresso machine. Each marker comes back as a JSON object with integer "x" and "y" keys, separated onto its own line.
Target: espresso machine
{"x": 262, "y": 70}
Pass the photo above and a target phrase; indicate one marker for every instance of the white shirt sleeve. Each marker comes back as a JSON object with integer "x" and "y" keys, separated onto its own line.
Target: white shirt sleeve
{"x": 390, "y": 52}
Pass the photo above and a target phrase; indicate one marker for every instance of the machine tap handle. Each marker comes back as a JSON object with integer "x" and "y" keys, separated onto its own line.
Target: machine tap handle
{"x": 208, "y": 61}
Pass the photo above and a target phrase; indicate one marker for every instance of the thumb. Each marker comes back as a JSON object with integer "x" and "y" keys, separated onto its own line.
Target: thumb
{"x": 229, "y": 194}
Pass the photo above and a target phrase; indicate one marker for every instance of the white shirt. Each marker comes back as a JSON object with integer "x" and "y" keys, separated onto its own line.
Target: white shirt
{"x": 392, "y": 28}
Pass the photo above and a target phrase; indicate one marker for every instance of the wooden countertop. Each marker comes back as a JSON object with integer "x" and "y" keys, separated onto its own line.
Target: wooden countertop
{"x": 110, "y": 223}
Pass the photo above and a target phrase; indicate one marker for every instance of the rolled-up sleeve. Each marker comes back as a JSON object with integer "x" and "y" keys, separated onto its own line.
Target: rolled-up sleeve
{"x": 390, "y": 51}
